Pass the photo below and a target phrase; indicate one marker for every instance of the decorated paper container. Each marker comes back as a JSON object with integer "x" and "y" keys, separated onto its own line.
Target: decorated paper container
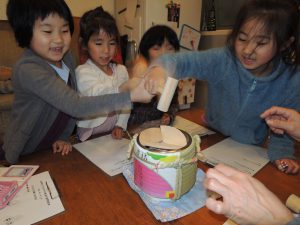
{"x": 166, "y": 174}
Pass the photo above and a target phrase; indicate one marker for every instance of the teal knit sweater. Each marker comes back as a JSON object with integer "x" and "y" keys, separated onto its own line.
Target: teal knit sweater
{"x": 236, "y": 98}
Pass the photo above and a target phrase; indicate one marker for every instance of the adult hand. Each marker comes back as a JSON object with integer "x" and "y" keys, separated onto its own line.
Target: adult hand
{"x": 117, "y": 133}
{"x": 62, "y": 146}
{"x": 283, "y": 120}
{"x": 245, "y": 199}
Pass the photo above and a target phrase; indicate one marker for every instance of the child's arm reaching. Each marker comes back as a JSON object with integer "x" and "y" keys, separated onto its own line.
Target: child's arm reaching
{"x": 140, "y": 94}
{"x": 136, "y": 75}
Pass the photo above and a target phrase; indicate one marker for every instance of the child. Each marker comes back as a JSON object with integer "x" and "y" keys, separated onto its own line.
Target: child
{"x": 99, "y": 35}
{"x": 46, "y": 102}
{"x": 256, "y": 70}
{"x": 156, "y": 41}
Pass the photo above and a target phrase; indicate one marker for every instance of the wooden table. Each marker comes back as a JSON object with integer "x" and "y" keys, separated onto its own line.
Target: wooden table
{"x": 91, "y": 197}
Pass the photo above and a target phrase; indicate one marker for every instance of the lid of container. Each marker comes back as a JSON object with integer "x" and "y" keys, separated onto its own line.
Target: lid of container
{"x": 164, "y": 138}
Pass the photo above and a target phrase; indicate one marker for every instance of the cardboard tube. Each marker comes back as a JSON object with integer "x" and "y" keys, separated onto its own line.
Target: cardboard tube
{"x": 293, "y": 203}
{"x": 167, "y": 94}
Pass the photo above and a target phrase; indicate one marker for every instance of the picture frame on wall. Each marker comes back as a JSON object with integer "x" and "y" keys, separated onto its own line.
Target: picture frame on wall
{"x": 189, "y": 37}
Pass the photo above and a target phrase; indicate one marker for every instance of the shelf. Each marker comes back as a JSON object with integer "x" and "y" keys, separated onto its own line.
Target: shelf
{"x": 216, "y": 32}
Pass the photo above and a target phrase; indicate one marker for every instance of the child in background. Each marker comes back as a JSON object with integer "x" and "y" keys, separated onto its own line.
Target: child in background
{"x": 46, "y": 102}
{"x": 99, "y": 35}
{"x": 257, "y": 69}
{"x": 156, "y": 41}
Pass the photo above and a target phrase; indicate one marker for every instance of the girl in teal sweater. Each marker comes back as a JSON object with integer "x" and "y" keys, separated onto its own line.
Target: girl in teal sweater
{"x": 256, "y": 70}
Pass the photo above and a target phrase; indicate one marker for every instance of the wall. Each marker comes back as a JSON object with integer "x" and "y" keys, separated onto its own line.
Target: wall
{"x": 226, "y": 12}
{"x": 10, "y": 52}
{"x": 209, "y": 39}
{"x": 136, "y": 21}
{"x": 3, "y": 9}
{"x": 190, "y": 12}
{"x": 77, "y": 7}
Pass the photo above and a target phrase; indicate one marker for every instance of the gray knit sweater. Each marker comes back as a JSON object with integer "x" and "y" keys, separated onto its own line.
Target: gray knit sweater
{"x": 39, "y": 96}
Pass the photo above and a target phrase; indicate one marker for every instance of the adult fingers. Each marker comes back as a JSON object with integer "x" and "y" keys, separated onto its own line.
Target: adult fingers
{"x": 275, "y": 110}
{"x": 215, "y": 185}
{"x": 277, "y": 131}
{"x": 278, "y": 124}
{"x": 226, "y": 170}
{"x": 216, "y": 206}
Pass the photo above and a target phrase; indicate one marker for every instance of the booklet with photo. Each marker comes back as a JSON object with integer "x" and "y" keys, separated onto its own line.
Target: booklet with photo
{"x": 12, "y": 179}
{"x": 38, "y": 200}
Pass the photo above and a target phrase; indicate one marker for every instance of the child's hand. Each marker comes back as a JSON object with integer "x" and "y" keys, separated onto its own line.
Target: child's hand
{"x": 288, "y": 166}
{"x": 140, "y": 94}
{"x": 62, "y": 146}
{"x": 136, "y": 76}
{"x": 155, "y": 80}
{"x": 117, "y": 133}
{"x": 130, "y": 84}
{"x": 166, "y": 119}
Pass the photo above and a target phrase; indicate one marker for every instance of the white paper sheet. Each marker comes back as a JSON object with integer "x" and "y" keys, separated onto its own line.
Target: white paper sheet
{"x": 191, "y": 127}
{"x": 36, "y": 201}
{"x": 245, "y": 158}
{"x": 107, "y": 153}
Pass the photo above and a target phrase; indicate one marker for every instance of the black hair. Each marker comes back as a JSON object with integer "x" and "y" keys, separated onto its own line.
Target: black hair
{"x": 95, "y": 20}
{"x": 156, "y": 35}
{"x": 22, "y": 15}
{"x": 279, "y": 18}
